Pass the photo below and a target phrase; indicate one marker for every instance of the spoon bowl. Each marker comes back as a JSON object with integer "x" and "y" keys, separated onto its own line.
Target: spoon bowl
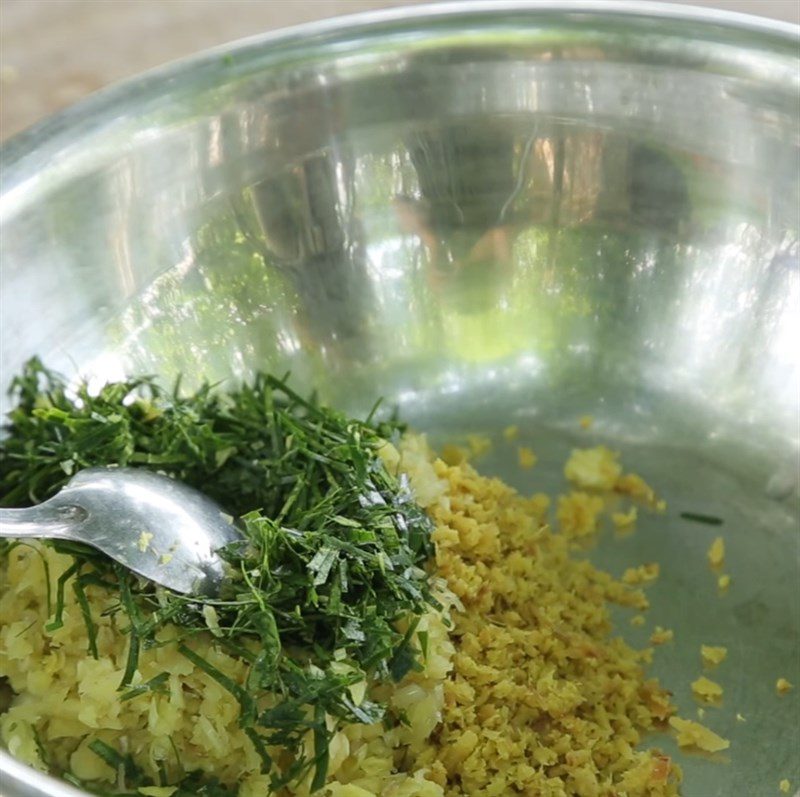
{"x": 154, "y": 525}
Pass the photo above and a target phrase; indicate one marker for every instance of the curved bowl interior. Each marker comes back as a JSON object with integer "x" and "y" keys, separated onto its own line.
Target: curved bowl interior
{"x": 502, "y": 215}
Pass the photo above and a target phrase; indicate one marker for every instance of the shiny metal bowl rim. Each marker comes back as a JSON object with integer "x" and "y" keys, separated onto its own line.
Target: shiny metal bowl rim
{"x": 23, "y": 155}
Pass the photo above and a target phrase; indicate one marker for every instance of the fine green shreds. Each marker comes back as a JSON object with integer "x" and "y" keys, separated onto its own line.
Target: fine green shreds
{"x": 332, "y": 562}
{"x": 698, "y": 517}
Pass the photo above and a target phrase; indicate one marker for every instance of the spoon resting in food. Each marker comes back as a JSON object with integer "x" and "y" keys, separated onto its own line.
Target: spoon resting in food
{"x": 154, "y": 525}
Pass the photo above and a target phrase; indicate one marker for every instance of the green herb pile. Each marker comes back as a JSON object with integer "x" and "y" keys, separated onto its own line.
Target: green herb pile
{"x": 333, "y": 558}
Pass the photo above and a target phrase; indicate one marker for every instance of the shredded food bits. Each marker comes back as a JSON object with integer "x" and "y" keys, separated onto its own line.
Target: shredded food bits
{"x": 526, "y": 692}
{"x": 624, "y": 520}
{"x": 593, "y": 468}
{"x": 542, "y": 699}
{"x": 520, "y": 686}
{"x": 713, "y": 655}
{"x": 716, "y": 552}
{"x": 693, "y": 734}
{"x": 635, "y": 486}
{"x": 643, "y": 574}
{"x": 661, "y": 636}
{"x": 783, "y": 687}
{"x": 707, "y": 690}
{"x": 578, "y": 513}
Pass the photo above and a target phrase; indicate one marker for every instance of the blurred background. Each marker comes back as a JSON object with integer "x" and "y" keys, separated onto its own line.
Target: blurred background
{"x": 54, "y": 52}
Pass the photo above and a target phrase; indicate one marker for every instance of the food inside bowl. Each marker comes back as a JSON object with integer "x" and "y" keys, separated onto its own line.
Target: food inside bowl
{"x": 396, "y": 624}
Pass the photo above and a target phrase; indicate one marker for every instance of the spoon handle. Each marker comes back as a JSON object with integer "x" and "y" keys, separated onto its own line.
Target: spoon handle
{"x": 41, "y": 521}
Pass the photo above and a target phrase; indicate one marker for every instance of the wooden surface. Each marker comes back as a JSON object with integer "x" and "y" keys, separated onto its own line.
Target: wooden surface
{"x": 54, "y": 52}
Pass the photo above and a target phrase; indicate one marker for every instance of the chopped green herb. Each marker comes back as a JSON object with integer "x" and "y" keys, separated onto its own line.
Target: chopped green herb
{"x": 423, "y": 643}
{"x": 83, "y": 602}
{"x": 331, "y": 565}
{"x": 58, "y": 621}
{"x": 155, "y": 684}
{"x": 697, "y": 517}
{"x": 116, "y": 760}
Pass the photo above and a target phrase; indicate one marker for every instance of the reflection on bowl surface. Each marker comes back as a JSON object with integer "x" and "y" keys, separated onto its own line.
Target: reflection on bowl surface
{"x": 489, "y": 216}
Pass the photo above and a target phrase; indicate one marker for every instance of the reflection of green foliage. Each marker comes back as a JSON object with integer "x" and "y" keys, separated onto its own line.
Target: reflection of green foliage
{"x": 381, "y": 179}
{"x": 230, "y": 309}
{"x": 567, "y": 287}
{"x": 568, "y": 299}
{"x": 221, "y": 311}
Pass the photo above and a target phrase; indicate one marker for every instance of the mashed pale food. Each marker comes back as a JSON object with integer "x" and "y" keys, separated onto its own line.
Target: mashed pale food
{"x": 523, "y": 689}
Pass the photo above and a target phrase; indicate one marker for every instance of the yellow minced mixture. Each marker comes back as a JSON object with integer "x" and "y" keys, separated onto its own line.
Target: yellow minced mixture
{"x": 542, "y": 699}
{"x": 713, "y": 655}
{"x": 527, "y": 693}
{"x": 707, "y": 690}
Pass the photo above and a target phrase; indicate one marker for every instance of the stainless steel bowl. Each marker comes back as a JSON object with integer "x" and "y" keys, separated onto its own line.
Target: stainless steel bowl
{"x": 498, "y": 213}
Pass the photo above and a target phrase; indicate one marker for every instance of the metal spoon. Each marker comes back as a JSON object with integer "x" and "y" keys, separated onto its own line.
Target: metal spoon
{"x": 155, "y": 526}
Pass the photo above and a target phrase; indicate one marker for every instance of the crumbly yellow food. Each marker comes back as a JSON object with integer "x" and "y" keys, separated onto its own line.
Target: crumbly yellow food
{"x": 723, "y": 582}
{"x": 713, "y": 654}
{"x": 785, "y": 785}
{"x": 638, "y": 620}
{"x": 593, "y": 468}
{"x": 525, "y": 457}
{"x": 636, "y": 487}
{"x": 527, "y": 693}
{"x": 578, "y": 513}
{"x": 782, "y": 686}
{"x": 542, "y": 700}
{"x": 705, "y": 689}
{"x": 643, "y": 574}
{"x": 693, "y": 734}
{"x": 661, "y": 636}
{"x": 68, "y": 699}
{"x": 586, "y": 421}
{"x": 716, "y": 552}
{"x": 624, "y": 520}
